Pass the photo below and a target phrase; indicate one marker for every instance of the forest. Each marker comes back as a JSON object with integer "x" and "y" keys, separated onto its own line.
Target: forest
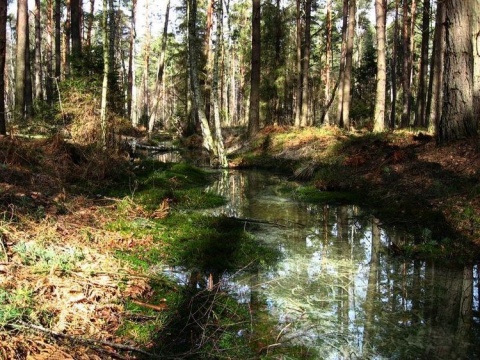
{"x": 137, "y": 136}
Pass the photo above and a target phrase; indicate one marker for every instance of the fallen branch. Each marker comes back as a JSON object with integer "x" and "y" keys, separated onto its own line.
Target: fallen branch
{"x": 162, "y": 307}
{"x": 92, "y": 342}
{"x": 255, "y": 221}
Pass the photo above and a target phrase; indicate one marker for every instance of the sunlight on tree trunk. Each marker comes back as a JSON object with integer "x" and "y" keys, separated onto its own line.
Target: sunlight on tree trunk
{"x": 103, "y": 112}
{"x": 208, "y": 140}
{"x": 131, "y": 68}
{"x": 457, "y": 120}
{"x": 380, "y": 98}
{"x": 347, "y": 80}
{"x": 20, "y": 73}
{"x": 222, "y": 158}
{"x": 38, "y": 53}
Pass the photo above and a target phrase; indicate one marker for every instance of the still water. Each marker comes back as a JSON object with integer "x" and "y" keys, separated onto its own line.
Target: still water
{"x": 337, "y": 289}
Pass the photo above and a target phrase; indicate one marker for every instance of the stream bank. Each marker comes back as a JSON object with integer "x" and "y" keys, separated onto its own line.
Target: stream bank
{"x": 403, "y": 174}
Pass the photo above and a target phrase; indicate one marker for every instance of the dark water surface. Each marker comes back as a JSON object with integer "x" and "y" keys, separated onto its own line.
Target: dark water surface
{"x": 337, "y": 290}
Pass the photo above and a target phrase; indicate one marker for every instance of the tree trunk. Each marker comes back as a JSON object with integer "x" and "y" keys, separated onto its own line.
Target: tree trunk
{"x": 254, "y": 112}
{"x": 341, "y": 75}
{"x": 380, "y": 95}
{"x": 90, "y": 21}
{"x": 28, "y": 79}
{"x": 38, "y": 53}
{"x": 306, "y": 65}
{"x": 393, "y": 110}
{"x": 160, "y": 70}
{"x": 435, "y": 97}
{"x": 475, "y": 23}
{"x": 197, "y": 101}
{"x": 49, "y": 56}
{"x": 106, "y": 70}
{"x": 111, "y": 48}
{"x": 76, "y": 33}
{"x": 130, "y": 77}
{"x": 208, "y": 56}
{"x": 407, "y": 64}
{"x": 3, "y": 55}
{"x": 457, "y": 120}
{"x": 58, "y": 40}
{"x": 347, "y": 83}
{"x": 67, "y": 49}
{"x": 20, "y": 71}
{"x": 222, "y": 158}
{"x": 421, "y": 118}
{"x": 328, "y": 56}
{"x": 299, "y": 92}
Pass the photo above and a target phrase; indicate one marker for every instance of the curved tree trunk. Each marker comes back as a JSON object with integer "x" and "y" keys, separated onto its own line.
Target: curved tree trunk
{"x": 208, "y": 141}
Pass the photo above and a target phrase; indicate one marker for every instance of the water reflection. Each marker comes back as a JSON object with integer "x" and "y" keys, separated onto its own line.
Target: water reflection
{"x": 338, "y": 291}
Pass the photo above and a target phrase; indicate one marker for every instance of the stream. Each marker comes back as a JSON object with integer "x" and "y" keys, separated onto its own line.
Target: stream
{"x": 336, "y": 289}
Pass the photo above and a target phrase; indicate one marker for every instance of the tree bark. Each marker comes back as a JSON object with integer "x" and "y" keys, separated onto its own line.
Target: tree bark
{"x": 380, "y": 95}
{"x": 3, "y": 54}
{"x": 254, "y": 111}
{"x": 298, "y": 89}
{"x": 20, "y": 70}
{"x": 38, "y": 53}
{"x": 341, "y": 75}
{"x": 222, "y": 158}
{"x": 49, "y": 56}
{"x": 407, "y": 64}
{"x": 76, "y": 33}
{"x": 90, "y": 21}
{"x": 106, "y": 70}
{"x": 435, "y": 97}
{"x": 58, "y": 40}
{"x": 457, "y": 120}
{"x": 421, "y": 118}
{"x": 197, "y": 101}
{"x": 347, "y": 83}
{"x": 29, "y": 112}
{"x": 393, "y": 110}
{"x": 130, "y": 74}
{"x": 306, "y": 65}
{"x": 328, "y": 56}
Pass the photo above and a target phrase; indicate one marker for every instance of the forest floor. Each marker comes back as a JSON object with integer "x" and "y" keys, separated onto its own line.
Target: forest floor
{"x": 66, "y": 295}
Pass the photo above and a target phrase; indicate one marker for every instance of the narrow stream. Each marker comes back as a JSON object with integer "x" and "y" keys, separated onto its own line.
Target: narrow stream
{"x": 336, "y": 289}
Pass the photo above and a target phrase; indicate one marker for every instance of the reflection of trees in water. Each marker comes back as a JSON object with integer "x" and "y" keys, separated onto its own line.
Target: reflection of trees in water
{"x": 338, "y": 289}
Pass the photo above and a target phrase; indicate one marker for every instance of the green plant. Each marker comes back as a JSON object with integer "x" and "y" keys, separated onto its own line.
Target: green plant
{"x": 16, "y": 305}
{"x": 44, "y": 259}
